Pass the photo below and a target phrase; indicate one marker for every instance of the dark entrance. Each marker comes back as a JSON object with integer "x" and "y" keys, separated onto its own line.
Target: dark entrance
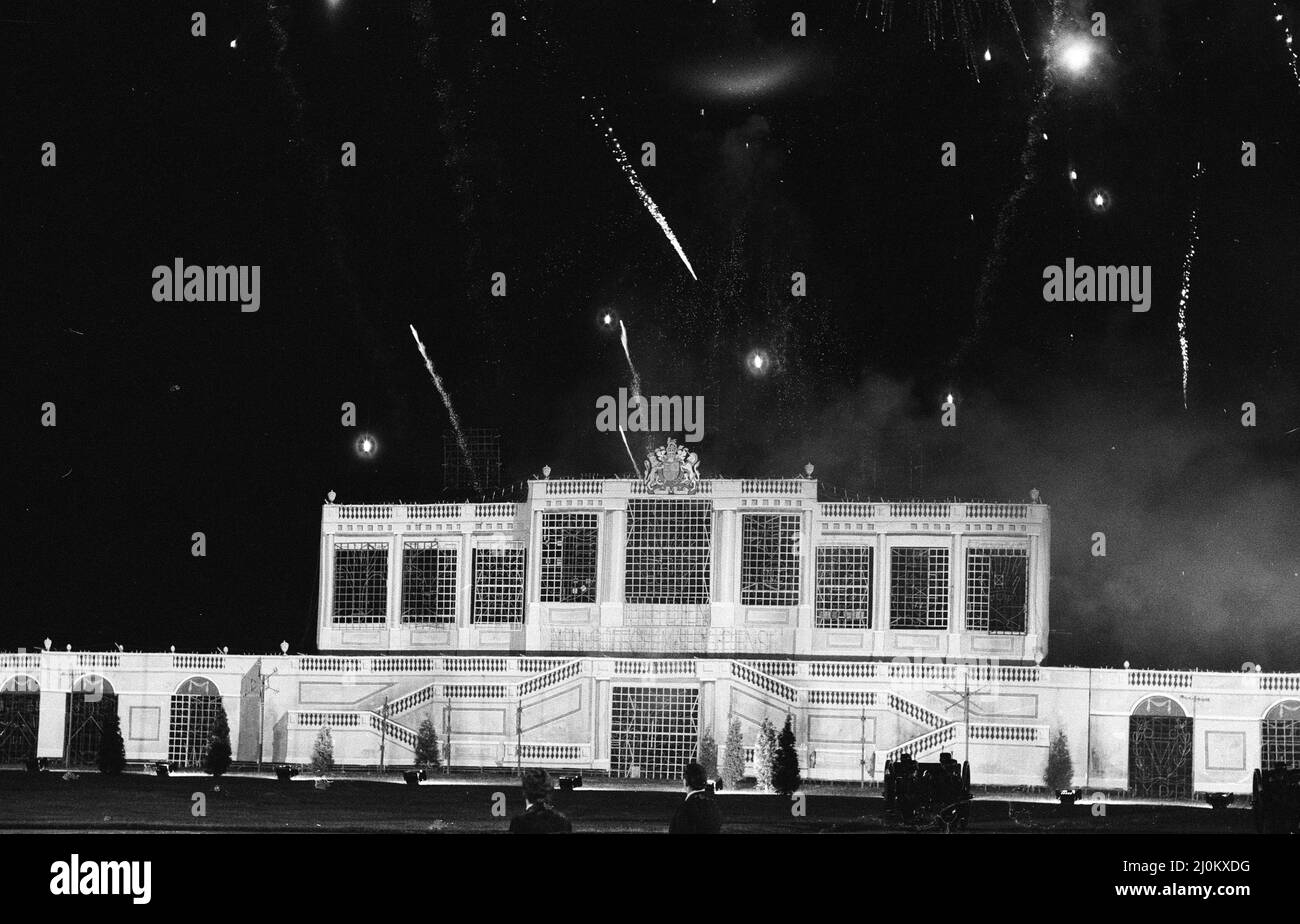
{"x": 20, "y": 719}
{"x": 89, "y": 703}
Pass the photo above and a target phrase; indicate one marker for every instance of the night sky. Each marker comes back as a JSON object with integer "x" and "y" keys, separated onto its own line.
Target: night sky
{"x": 816, "y": 154}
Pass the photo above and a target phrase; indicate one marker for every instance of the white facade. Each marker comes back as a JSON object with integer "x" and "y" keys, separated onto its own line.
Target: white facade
{"x": 500, "y": 711}
{"x": 599, "y": 627}
{"x": 727, "y": 624}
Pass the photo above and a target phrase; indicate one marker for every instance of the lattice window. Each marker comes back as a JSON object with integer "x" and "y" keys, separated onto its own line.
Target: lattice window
{"x": 428, "y": 583}
{"x": 653, "y": 731}
{"x": 194, "y": 709}
{"x": 669, "y": 551}
{"x": 498, "y": 585}
{"x": 769, "y": 559}
{"x": 843, "y": 587}
{"x": 360, "y": 582}
{"x": 995, "y": 590}
{"x": 918, "y": 588}
{"x": 1280, "y": 736}
{"x": 569, "y": 557}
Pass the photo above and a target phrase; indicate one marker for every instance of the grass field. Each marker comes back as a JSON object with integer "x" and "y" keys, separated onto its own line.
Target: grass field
{"x": 137, "y": 802}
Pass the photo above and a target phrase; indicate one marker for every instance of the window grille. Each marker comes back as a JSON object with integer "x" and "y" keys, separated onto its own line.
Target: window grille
{"x": 498, "y": 585}
{"x": 653, "y": 731}
{"x": 669, "y": 551}
{"x": 918, "y": 588}
{"x": 428, "y": 583}
{"x": 360, "y": 582}
{"x": 769, "y": 559}
{"x": 194, "y": 709}
{"x": 569, "y": 557}
{"x": 1280, "y": 736}
{"x": 995, "y": 590}
{"x": 843, "y": 587}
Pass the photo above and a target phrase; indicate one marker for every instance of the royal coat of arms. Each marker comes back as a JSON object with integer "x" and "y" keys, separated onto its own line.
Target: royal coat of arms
{"x": 672, "y": 469}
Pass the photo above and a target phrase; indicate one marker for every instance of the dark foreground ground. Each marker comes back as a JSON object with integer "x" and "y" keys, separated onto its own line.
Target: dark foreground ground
{"x": 136, "y": 802}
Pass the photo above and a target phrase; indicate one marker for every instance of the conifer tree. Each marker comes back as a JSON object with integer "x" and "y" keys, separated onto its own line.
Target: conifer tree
{"x": 217, "y": 759}
{"x": 765, "y": 754}
{"x": 1060, "y": 768}
{"x": 322, "y": 752}
{"x": 426, "y": 745}
{"x": 709, "y": 753}
{"x": 785, "y": 764}
{"x": 111, "y": 759}
{"x": 733, "y": 761}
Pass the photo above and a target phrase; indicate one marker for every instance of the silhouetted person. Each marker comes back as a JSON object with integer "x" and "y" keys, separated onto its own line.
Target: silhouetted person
{"x": 538, "y": 817}
{"x": 698, "y": 813}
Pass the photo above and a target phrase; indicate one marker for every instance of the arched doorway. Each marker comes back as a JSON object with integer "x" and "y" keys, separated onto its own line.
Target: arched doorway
{"x": 1159, "y": 750}
{"x": 20, "y": 718}
{"x": 1279, "y": 739}
{"x": 91, "y": 701}
{"x": 193, "y": 710}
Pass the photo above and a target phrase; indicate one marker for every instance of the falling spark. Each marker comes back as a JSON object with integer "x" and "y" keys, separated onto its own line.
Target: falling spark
{"x": 626, "y": 166}
{"x": 451, "y": 411}
{"x": 1290, "y": 42}
{"x": 1184, "y": 292}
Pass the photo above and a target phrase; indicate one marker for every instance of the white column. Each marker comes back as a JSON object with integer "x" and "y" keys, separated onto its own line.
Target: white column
{"x": 611, "y": 593}
{"x": 325, "y": 592}
{"x": 807, "y": 582}
{"x": 533, "y": 631}
{"x": 464, "y": 585}
{"x": 956, "y": 596}
{"x": 394, "y": 623}
{"x": 880, "y": 599}
{"x": 723, "y": 612}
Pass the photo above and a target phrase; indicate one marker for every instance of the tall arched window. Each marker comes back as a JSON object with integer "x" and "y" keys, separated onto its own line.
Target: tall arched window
{"x": 1279, "y": 739}
{"x": 193, "y": 710}
{"x": 1160, "y": 750}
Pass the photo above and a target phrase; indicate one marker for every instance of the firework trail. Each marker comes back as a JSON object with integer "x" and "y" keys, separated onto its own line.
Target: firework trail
{"x": 636, "y": 468}
{"x": 636, "y": 377}
{"x": 626, "y": 166}
{"x": 1029, "y": 175}
{"x": 451, "y": 411}
{"x": 1193, "y": 235}
{"x": 1290, "y": 41}
{"x": 1015, "y": 26}
{"x": 961, "y": 16}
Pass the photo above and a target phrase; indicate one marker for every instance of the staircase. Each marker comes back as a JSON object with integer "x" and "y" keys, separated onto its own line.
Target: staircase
{"x": 927, "y": 745}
